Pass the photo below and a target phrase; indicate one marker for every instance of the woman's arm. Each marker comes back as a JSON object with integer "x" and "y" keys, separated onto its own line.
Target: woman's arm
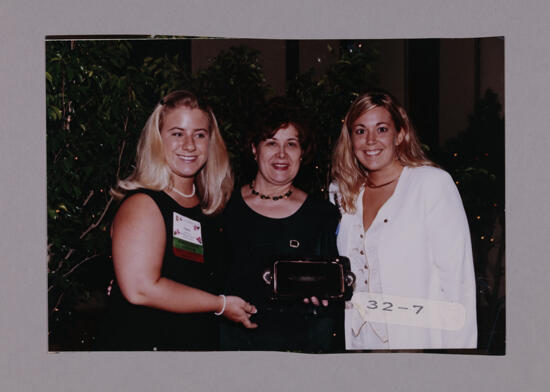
{"x": 138, "y": 243}
{"x": 450, "y": 244}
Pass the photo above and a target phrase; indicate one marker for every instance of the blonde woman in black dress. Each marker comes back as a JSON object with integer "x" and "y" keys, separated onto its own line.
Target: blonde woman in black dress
{"x": 165, "y": 241}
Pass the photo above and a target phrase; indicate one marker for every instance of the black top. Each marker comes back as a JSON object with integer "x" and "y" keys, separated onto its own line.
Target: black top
{"x": 133, "y": 327}
{"x": 256, "y": 241}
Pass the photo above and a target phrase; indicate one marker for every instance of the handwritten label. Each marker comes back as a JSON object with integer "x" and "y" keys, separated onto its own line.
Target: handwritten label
{"x": 415, "y": 312}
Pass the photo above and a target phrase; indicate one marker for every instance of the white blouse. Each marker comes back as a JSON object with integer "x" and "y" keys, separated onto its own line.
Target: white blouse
{"x": 418, "y": 247}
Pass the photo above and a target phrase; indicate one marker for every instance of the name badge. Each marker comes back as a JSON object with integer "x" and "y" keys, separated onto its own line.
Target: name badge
{"x": 187, "y": 239}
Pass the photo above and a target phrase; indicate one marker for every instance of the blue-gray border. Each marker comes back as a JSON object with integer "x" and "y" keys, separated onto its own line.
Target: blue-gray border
{"x": 25, "y": 363}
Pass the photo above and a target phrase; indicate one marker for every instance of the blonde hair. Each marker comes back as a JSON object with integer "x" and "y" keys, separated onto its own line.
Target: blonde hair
{"x": 347, "y": 171}
{"x": 214, "y": 181}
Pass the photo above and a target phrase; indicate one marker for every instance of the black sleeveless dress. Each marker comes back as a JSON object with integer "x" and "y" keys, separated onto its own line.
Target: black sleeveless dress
{"x": 133, "y": 327}
{"x": 255, "y": 241}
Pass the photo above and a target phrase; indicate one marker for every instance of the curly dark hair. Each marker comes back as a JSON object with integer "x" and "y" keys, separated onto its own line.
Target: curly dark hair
{"x": 279, "y": 113}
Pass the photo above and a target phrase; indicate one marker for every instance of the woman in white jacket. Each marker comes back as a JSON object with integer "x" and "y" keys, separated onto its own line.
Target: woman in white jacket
{"x": 405, "y": 231}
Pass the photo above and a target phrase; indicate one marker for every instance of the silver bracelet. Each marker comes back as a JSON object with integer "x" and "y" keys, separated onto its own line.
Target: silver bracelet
{"x": 223, "y": 307}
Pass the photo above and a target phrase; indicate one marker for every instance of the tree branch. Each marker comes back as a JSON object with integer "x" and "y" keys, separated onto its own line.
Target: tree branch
{"x": 49, "y": 251}
{"x": 60, "y": 264}
{"x": 57, "y": 154}
{"x": 125, "y": 127}
{"x": 57, "y": 303}
{"x": 79, "y": 264}
{"x": 120, "y": 157}
{"x": 94, "y": 225}
{"x": 88, "y": 198}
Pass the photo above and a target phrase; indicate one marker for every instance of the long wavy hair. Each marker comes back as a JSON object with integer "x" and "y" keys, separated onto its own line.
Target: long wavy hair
{"x": 214, "y": 181}
{"x": 347, "y": 171}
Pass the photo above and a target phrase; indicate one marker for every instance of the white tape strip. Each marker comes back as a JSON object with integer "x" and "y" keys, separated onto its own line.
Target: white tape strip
{"x": 415, "y": 312}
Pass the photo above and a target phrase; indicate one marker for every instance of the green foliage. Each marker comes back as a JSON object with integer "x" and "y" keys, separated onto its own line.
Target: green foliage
{"x": 235, "y": 87}
{"x": 97, "y": 103}
{"x": 327, "y": 99}
{"x": 475, "y": 158}
{"x": 100, "y": 93}
{"x": 98, "y": 97}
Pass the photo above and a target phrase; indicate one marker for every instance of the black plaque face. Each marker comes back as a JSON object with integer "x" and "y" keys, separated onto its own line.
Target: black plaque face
{"x": 308, "y": 278}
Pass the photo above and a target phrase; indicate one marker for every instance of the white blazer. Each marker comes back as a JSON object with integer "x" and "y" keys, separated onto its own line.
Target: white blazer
{"x": 424, "y": 251}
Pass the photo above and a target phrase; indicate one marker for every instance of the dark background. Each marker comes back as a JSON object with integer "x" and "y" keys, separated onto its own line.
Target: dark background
{"x": 99, "y": 94}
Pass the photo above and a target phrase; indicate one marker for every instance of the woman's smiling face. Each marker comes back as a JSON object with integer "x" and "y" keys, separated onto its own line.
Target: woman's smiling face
{"x": 279, "y": 156}
{"x": 374, "y": 139}
{"x": 186, "y": 139}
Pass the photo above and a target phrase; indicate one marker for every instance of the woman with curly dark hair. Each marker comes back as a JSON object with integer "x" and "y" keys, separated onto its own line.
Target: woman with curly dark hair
{"x": 270, "y": 216}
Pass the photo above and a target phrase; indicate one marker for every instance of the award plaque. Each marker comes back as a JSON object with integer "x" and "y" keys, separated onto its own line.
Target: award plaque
{"x": 304, "y": 277}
